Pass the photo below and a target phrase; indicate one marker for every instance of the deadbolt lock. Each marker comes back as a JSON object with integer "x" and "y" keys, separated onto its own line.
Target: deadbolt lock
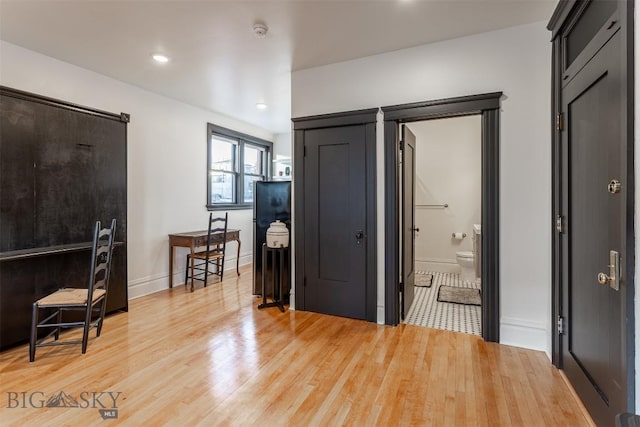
{"x": 613, "y": 278}
{"x": 614, "y": 186}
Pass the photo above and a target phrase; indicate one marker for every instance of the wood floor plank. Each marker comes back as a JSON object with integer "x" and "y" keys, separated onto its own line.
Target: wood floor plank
{"x": 211, "y": 358}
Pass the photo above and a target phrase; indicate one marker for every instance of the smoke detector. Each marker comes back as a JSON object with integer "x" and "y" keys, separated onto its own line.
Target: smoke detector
{"x": 260, "y": 30}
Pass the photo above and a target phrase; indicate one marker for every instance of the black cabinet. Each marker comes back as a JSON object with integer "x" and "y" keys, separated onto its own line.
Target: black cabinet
{"x": 62, "y": 167}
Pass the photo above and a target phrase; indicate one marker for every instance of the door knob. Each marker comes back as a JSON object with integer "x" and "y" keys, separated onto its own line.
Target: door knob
{"x": 614, "y": 186}
{"x": 613, "y": 278}
{"x": 359, "y": 235}
{"x": 416, "y": 229}
{"x": 603, "y": 278}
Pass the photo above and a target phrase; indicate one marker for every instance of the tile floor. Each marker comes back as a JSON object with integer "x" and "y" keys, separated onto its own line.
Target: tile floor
{"x": 427, "y": 311}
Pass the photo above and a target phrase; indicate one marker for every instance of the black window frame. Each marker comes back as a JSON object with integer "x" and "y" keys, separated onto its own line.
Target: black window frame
{"x": 241, "y": 139}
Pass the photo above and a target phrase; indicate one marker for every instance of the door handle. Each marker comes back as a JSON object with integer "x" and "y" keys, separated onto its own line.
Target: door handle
{"x": 613, "y": 278}
{"x": 359, "y": 235}
{"x": 416, "y": 229}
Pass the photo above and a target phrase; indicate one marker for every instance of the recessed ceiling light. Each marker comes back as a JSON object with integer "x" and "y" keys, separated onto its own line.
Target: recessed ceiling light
{"x": 261, "y": 106}
{"x": 158, "y": 57}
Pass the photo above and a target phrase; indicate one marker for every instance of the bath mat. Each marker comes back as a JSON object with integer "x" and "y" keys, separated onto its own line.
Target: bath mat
{"x": 456, "y": 295}
{"x": 423, "y": 280}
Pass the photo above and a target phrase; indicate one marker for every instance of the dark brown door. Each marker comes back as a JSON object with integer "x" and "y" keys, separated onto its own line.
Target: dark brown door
{"x": 594, "y": 150}
{"x": 408, "y": 218}
{"x": 335, "y": 244}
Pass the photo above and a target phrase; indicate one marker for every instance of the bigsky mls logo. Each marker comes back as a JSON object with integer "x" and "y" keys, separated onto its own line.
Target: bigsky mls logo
{"x": 106, "y": 402}
{"x": 62, "y": 400}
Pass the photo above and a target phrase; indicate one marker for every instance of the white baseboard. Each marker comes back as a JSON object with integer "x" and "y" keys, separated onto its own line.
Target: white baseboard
{"x": 437, "y": 260}
{"x": 441, "y": 265}
{"x": 292, "y": 300}
{"x": 159, "y": 282}
{"x": 524, "y": 333}
{"x": 380, "y": 319}
{"x": 148, "y": 285}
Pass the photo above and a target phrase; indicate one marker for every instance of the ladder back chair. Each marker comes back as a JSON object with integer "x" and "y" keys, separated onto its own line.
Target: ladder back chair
{"x": 213, "y": 256}
{"x": 91, "y": 300}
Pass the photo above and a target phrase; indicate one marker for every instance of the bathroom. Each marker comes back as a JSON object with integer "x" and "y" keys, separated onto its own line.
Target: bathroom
{"x": 447, "y": 233}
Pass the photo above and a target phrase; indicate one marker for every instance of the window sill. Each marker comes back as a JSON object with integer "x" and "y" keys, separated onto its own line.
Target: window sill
{"x": 230, "y": 207}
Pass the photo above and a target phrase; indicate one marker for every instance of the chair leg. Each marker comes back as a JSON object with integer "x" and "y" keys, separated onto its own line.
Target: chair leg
{"x": 221, "y": 268}
{"x": 186, "y": 271}
{"x": 103, "y": 307}
{"x": 85, "y": 332}
{"x": 206, "y": 272}
{"x": 34, "y": 335}
{"x": 59, "y": 320}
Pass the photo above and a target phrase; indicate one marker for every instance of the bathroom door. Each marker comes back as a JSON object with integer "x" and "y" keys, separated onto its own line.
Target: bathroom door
{"x": 408, "y": 219}
{"x": 594, "y": 149}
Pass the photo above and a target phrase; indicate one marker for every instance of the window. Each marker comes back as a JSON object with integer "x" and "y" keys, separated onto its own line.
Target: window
{"x": 235, "y": 161}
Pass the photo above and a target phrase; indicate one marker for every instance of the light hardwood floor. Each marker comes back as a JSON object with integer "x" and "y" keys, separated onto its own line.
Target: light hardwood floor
{"x": 211, "y": 358}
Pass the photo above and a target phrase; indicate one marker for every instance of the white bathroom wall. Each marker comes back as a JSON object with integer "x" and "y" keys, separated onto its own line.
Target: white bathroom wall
{"x": 166, "y": 159}
{"x": 448, "y": 170}
{"x": 515, "y": 61}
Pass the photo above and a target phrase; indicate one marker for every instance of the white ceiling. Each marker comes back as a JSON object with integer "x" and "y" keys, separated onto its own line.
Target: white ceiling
{"x": 217, "y": 63}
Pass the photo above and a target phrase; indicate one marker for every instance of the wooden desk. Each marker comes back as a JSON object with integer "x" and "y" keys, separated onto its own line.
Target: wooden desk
{"x": 196, "y": 239}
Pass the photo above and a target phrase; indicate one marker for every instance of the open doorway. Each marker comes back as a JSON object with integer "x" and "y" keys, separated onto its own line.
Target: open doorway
{"x": 487, "y": 106}
{"x": 441, "y": 223}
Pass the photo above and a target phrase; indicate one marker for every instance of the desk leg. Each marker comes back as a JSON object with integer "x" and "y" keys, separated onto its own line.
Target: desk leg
{"x": 170, "y": 265}
{"x": 193, "y": 264}
{"x": 238, "y": 259}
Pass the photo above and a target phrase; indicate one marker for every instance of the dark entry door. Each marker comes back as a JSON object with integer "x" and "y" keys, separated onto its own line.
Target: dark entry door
{"x": 335, "y": 242}
{"x": 408, "y": 218}
{"x": 594, "y": 148}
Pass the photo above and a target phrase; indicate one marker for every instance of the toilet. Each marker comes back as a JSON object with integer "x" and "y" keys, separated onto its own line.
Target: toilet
{"x": 465, "y": 261}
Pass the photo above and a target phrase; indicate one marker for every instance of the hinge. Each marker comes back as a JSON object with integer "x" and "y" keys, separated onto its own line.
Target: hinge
{"x": 305, "y": 281}
{"x": 402, "y": 287}
{"x": 560, "y": 325}
{"x": 304, "y": 151}
{"x": 401, "y": 145}
{"x": 560, "y": 224}
{"x": 559, "y": 121}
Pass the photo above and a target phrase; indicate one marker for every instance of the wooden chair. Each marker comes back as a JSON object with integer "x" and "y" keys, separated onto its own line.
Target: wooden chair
{"x": 91, "y": 300}
{"x": 212, "y": 256}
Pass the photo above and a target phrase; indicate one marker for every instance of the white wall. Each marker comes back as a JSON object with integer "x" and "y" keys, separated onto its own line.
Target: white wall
{"x": 282, "y": 145}
{"x": 166, "y": 159}
{"x": 515, "y": 61}
{"x": 448, "y": 170}
{"x": 282, "y": 156}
